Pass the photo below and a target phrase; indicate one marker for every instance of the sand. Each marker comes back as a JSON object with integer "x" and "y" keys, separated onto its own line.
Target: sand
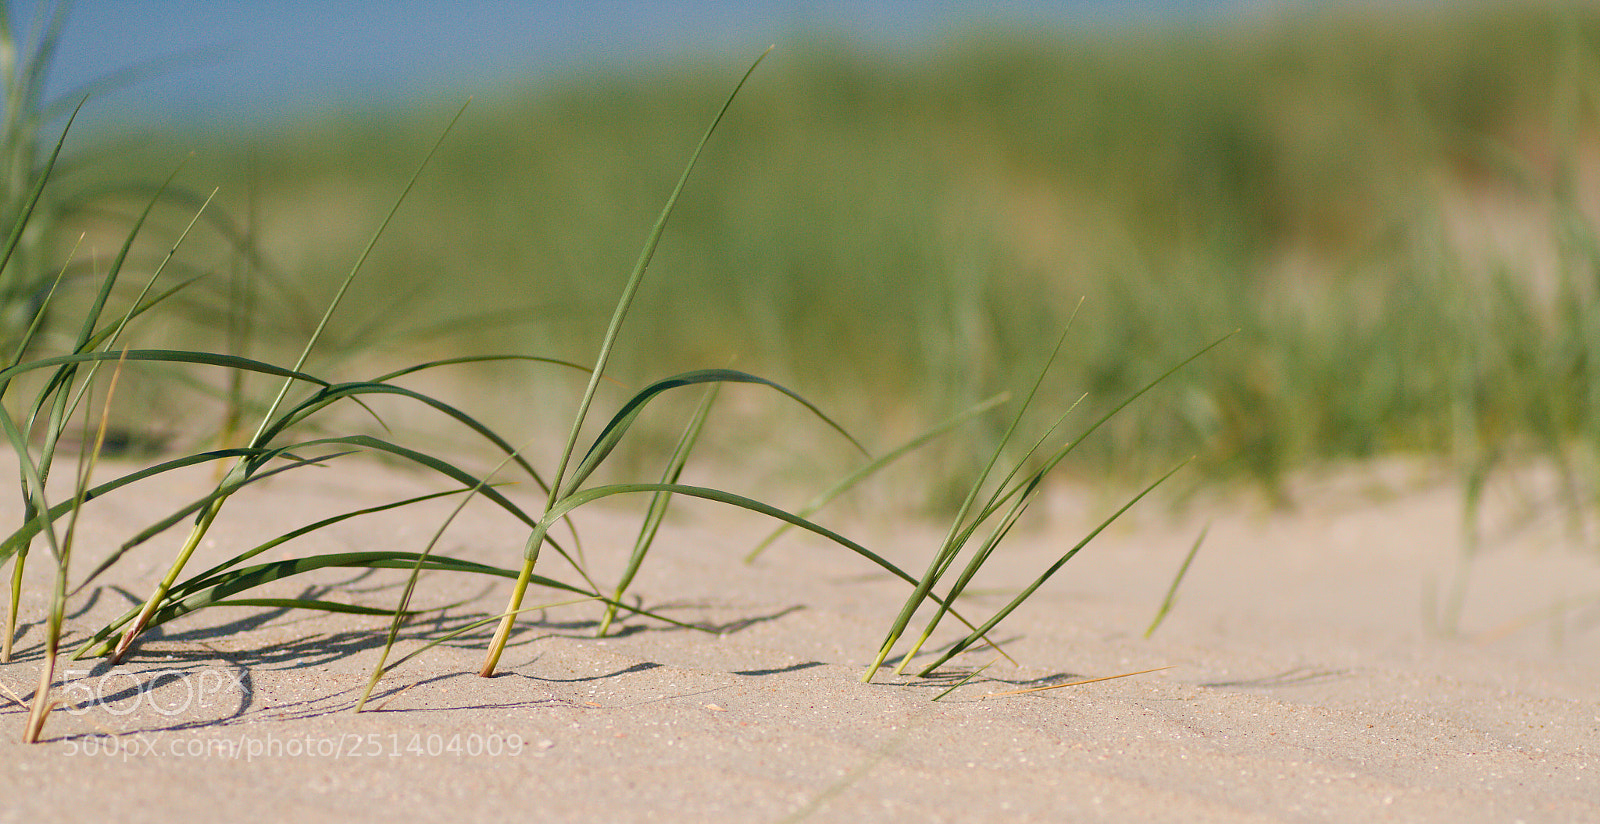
{"x": 1305, "y": 680}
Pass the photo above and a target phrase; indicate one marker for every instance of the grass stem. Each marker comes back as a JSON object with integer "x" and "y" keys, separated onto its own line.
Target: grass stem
{"x": 1177, "y": 580}
{"x": 558, "y": 484}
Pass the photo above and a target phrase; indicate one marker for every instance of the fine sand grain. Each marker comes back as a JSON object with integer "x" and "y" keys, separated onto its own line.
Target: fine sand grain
{"x": 1305, "y": 683}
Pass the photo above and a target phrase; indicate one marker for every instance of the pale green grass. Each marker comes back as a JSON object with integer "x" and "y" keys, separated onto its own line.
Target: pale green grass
{"x": 896, "y": 234}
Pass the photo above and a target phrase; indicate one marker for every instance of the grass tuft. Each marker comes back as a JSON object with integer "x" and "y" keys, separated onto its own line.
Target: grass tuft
{"x": 295, "y": 430}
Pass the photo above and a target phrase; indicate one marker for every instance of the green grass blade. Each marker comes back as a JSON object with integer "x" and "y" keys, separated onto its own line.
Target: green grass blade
{"x": 34, "y": 488}
{"x": 1066, "y": 450}
{"x": 999, "y": 616}
{"x": 37, "y": 322}
{"x": 618, "y": 426}
{"x": 1005, "y": 492}
{"x": 976, "y": 562}
{"x": 249, "y": 578}
{"x": 210, "y": 576}
{"x": 400, "y": 611}
{"x": 26, "y": 533}
{"x": 242, "y": 580}
{"x": 1177, "y": 580}
{"x": 433, "y": 364}
{"x": 36, "y": 505}
{"x": 102, "y": 337}
{"x": 849, "y": 482}
{"x": 204, "y": 524}
{"x": 423, "y": 459}
{"x": 107, "y": 338}
{"x": 952, "y": 548}
{"x": 20, "y": 550}
{"x": 631, "y": 288}
{"x": 200, "y": 505}
{"x": 450, "y": 470}
{"x": 592, "y": 494}
{"x": 963, "y": 682}
{"x": 162, "y": 356}
{"x": 587, "y": 496}
{"x": 65, "y": 403}
{"x": 959, "y": 528}
{"x": 460, "y": 631}
{"x": 306, "y": 603}
{"x": 659, "y": 503}
{"x": 91, "y": 317}
{"x": 344, "y": 286}
{"x": 336, "y": 392}
{"x": 56, "y": 388}
{"x": 32, "y": 203}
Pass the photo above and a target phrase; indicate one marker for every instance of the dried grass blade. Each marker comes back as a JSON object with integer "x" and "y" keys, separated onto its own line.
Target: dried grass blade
{"x": 1078, "y": 683}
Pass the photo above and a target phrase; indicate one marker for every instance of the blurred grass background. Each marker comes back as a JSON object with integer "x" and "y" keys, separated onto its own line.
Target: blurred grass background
{"x": 1394, "y": 207}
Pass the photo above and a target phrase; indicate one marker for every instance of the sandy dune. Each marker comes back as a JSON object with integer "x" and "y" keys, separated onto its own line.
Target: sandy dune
{"x": 1305, "y": 683}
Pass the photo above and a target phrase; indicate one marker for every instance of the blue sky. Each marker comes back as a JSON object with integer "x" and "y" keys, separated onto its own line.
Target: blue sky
{"x": 241, "y": 61}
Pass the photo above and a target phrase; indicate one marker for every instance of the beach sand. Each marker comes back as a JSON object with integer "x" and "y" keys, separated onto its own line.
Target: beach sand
{"x": 1304, "y": 683}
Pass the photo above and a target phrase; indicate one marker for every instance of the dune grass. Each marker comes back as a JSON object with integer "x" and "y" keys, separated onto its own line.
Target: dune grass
{"x": 1325, "y": 181}
{"x": 895, "y": 238}
{"x": 281, "y": 446}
